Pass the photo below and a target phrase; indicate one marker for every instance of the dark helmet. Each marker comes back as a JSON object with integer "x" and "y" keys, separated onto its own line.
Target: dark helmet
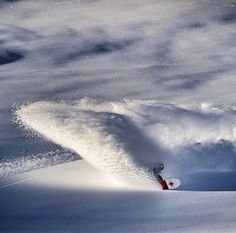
{"x": 161, "y": 166}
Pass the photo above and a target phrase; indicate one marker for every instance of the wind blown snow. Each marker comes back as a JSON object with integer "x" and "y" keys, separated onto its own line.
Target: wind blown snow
{"x": 159, "y": 77}
{"x": 126, "y": 138}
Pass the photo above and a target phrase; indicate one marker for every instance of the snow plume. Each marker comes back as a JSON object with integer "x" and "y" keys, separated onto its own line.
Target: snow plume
{"x": 126, "y": 138}
{"x": 172, "y": 51}
{"x": 12, "y": 166}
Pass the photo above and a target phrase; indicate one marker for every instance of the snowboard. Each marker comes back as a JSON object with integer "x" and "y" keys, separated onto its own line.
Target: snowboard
{"x": 173, "y": 183}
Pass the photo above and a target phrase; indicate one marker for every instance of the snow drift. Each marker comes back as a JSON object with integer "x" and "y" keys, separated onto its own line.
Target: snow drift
{"x": 126, "y": 138}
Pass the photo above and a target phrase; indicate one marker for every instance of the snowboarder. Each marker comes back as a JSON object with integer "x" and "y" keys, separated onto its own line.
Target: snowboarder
{"x": 156, "y": 173}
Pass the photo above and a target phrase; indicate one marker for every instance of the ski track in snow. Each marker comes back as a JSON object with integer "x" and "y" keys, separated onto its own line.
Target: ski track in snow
{"x": 15, "y": 183}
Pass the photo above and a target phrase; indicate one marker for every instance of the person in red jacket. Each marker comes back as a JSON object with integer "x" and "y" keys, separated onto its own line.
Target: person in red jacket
{"x": 156, "y": 173}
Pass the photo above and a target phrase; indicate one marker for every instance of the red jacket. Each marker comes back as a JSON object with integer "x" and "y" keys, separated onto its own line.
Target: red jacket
{"x": 164, "y": 185}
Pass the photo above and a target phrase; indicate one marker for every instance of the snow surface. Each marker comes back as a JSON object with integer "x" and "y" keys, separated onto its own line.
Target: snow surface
{"x": 123, "y": 85}
{"x": 75, "y": 197}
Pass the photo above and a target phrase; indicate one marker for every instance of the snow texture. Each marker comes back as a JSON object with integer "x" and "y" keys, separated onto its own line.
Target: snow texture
{"x": 123, "y": 85}
{"x": 126, "y": 138}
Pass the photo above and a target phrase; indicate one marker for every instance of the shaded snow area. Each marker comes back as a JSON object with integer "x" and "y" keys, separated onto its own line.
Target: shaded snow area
{"x": 75, "y": 197}
{"x": 95, "y": 93}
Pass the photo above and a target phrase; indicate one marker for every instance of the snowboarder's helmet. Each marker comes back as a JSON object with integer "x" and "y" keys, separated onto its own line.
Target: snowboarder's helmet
{"x": 161, "y": 166}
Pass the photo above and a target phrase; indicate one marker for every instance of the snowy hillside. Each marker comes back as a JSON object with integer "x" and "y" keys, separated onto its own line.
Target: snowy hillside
{"x": 94, "y": 93}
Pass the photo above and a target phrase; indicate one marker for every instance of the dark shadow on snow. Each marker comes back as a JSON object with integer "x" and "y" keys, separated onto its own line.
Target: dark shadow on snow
{"x": 196, "y": 25}
{"x": 209, "y": 181}
{"x": 229, "y": 17}
{"x": 192, "y": 81}
{"x": 9, "y": 56}
{"x": 210, "y": 167}
{"x": 98, "y": 48}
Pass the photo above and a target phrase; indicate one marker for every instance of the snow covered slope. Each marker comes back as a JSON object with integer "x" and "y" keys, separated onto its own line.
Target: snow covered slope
{"x": 75, "y": 197}
{"x": 160, "y": 82}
